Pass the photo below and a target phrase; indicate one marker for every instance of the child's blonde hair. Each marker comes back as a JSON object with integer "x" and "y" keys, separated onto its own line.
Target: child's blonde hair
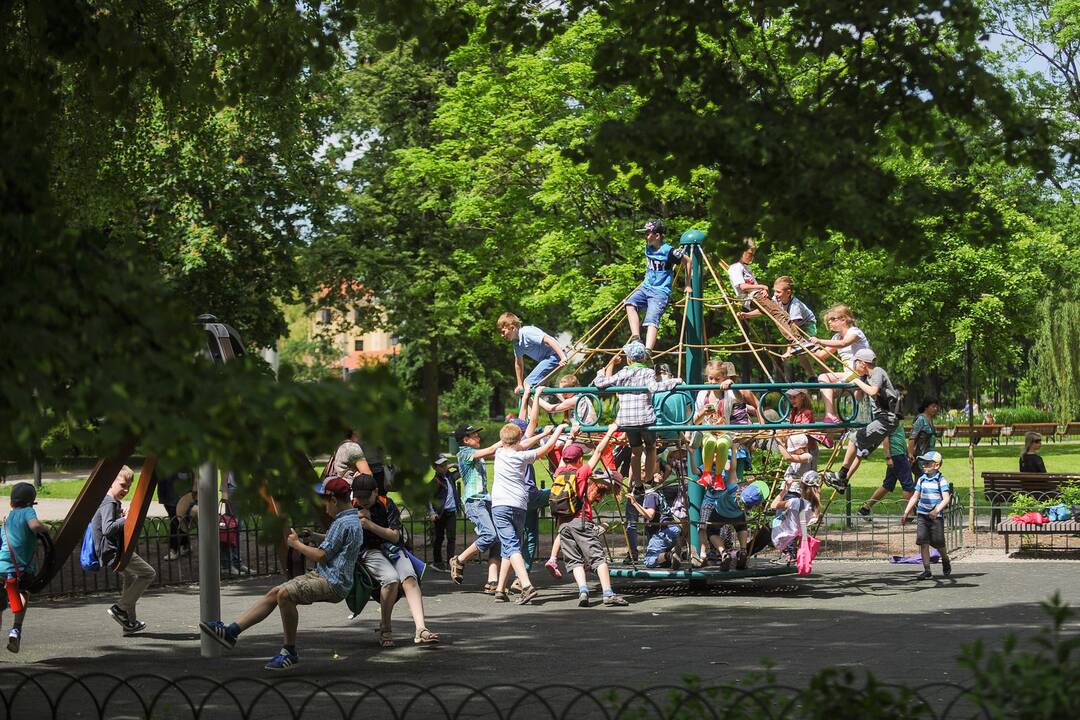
{"x": 509, "y": 434}
{"x": 784, "y": 281}
{"x": 568, "y": 381}
{"x": 714, "y": 367}
{"x": 840, "y": 312}
{"x": 508, "y": 319}
{"x": 126, "y": 474}
{"x": 1030, "y": 438}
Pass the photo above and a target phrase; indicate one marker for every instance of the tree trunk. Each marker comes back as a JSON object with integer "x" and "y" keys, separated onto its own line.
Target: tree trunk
{"x": 429, "y": 388}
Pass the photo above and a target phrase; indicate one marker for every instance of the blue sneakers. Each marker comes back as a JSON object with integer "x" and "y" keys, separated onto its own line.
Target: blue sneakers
{"x": 220, "y": 632}
{"x": 284, "y": 660}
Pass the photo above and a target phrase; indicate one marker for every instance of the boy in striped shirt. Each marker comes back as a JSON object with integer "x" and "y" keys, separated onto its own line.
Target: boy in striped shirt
{"x": 932, "y": 495}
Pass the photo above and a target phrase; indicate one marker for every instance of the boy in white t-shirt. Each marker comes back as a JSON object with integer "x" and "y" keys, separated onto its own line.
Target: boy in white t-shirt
{"x": 742, "y": 277}
{"x": 510, "y": 497}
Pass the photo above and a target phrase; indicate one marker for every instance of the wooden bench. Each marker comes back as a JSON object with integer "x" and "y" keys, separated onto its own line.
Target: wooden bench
{"x": 1046, "y": 429}
{"x": 993, "y": 432}
{"x": 999, "y": 488}
{"x": 1061, "y": 527}
{"x": 1070, "y": 430}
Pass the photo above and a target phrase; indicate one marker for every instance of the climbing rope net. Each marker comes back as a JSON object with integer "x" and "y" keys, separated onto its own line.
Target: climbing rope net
{"x": 678, "y": 435}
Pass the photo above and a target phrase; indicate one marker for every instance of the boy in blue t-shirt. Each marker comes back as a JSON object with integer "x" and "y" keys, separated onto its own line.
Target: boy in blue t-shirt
{"x": 654, "y": 293}
{"x": 18, "y": 543}
{"x": 530, "y": 341}
{"x": 932, "y": 495}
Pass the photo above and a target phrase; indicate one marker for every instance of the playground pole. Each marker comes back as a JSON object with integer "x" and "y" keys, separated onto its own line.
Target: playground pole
{"x": 209, "y": 556}
{"x": 694, "y": 360}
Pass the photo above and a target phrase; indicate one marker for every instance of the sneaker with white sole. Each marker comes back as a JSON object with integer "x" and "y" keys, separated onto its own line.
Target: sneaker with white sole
{"x": 134, "y": 626}
{"x": 117, "y": 614}
{"x": 14, "y": 640}
{"x": 615, "y": 601}
{"x": 583, "y": 599}
{"x": 284, "y": 660}
{"x": 834, "y": 481}
{"x": 172, "y": 555}
{"x": 219, "y": 631}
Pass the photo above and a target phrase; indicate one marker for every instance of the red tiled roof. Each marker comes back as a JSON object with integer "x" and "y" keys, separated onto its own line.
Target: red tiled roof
{"x": 360, "y": 358}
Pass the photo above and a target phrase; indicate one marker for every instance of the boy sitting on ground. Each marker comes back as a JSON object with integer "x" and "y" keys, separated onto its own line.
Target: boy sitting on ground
{"x": 330, "y": 581}
{"x": 580, "y": 545}
{"x": 662, "y": 530}
{"x": 533, "y": 342}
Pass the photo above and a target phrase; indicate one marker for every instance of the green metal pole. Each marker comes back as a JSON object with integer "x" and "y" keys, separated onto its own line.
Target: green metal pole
{"x": 694, "y": 360}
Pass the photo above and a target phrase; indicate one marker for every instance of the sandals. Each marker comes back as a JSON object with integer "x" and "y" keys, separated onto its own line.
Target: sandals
{"x": 490, "y": 587}
{"x": 386, "y": 638}
{"x": 425, "y": 637}
{"x": 457, "y": 570}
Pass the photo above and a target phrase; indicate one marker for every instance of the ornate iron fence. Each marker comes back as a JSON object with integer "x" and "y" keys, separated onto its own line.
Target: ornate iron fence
{"x": 51, "y": 694}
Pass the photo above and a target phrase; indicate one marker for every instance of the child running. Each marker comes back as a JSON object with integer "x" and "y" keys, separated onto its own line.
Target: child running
{"x": 18, "y": 543}
{"x": 846, "y": 340}
{"x": 654, "y": 293}
{"x": 530, "y": 341}
{"x": 330, "y": 581}
{"x": 477, "y": 504}
{"x": 932, "y": 495}
{"x": 581, "y": 546}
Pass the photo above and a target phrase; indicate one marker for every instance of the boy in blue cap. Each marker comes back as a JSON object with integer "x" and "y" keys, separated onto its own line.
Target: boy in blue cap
{"x": 18, "y": 543}
{"x": 330, "y": 580}
{"x": 932, "y": 495}
{"x": 654, "y": 293}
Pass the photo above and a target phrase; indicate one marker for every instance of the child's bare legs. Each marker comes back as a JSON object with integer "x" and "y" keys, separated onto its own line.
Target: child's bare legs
{"x": 634, "y": 319}
{"x": 650, "y": 337}
{"x": 415, "y": 598}
{"x": 261, "y": 609}
{"x": 290, "y": 618}
{"x": 388, "y": 596}
{"x": 518, "y": 563}
{"x": 804, "y": 360}
{"x": 635, "y": 466}
{"x": 882, "y": 492}
{"x": 504, "y": 575}
{"x": 828, "y": 394}
{"x": 650, "y": 457}
{"x": 468, "y": 553}
{"x": 493, "y": 570}
{"x": 744, "y": 539}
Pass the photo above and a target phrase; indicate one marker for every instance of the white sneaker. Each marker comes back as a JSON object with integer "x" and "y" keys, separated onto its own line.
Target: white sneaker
{"x": 173, "y": 555}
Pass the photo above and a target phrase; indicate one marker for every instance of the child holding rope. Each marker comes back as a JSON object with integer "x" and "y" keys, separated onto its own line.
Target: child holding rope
{"x": 654, "y": 293}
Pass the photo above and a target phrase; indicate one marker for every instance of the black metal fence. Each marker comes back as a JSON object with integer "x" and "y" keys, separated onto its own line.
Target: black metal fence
{"x": 49, "y": 694}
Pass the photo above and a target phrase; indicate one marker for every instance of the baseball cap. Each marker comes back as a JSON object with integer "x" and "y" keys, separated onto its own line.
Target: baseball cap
{"x": 572, "y": 453}
{"x": 728, "y": 368}
{"x": 464, "y": 431}
{"x": 866, "y": 355}
{"x": 798, "y": 440}
{"x": 933, "y": 457}
{"x": 24, "y": 494}
{"x": 795, "y": 392}
{"x": 795, "y": 488}
{"x": 751, "y": 495}
{"x": 521, "y": 424}
{"x": 654, "y": 225}
{"x": 336, "y": 486}
{"x": 443, "y": 459}
{"x": 363, "y": 485}
{"x": 811, "y": 478}
{"x": 634, "y": 350}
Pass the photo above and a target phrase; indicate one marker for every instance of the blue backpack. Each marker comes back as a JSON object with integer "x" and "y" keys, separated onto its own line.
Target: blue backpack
{"x": 88, "y": 556}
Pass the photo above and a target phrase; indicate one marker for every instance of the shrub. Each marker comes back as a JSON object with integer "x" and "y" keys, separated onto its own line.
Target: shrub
{"x": 467, "y": 401}
{"x": 1024, "y": 503}
{"x": 1009, "y": 415}
{"x": 1070, "y": 493}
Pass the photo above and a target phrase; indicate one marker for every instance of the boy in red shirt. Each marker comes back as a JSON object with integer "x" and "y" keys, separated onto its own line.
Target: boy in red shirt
{"x": 580, "y": 544}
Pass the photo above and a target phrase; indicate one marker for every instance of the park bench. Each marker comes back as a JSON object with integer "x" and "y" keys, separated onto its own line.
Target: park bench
{"x": 993, "y": 432}
{"x": 1046, "y": 429}
{"x": 1013, "y": 527}
{"x": 999, "y": 488}
{"x": 1070, "y": 430}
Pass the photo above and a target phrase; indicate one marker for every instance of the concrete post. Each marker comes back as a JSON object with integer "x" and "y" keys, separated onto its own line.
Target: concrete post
{"x": 209, "y": 556}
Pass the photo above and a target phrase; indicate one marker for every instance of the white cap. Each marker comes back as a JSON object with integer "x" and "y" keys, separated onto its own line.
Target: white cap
{"x": 866, "y": 355}
{"x": 798, "y": 440}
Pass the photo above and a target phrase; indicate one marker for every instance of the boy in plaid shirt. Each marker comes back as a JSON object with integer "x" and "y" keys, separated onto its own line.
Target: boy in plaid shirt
{"x": 635, "y": 408}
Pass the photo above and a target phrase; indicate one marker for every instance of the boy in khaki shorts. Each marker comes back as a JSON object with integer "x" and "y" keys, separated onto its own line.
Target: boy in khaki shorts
{"x": 330, "y": 581}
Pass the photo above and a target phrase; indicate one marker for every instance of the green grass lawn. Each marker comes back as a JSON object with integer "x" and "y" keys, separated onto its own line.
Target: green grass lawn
{"x": 1059, "y": 457}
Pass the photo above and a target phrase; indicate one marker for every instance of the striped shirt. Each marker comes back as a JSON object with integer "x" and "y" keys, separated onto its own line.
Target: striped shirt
{"x": 636, "y": 408}
{"x": 930, "y": 489}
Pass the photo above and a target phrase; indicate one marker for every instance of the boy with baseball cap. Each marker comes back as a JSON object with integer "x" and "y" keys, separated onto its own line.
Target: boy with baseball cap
{"x": 654, "y": 293}
{"x": 18, "y": 543}
{"x": 477, "y": 502}
{"x": 932, "y": 495}
{"x": 330, "y": 580}
{"x": 885, "y": 409}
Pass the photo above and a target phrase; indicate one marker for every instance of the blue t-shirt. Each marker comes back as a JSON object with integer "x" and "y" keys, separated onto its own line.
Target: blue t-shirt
{"x": 473, "y": 475}
{"x": 23, "y": 541}
{"x": 742, "y": 464}
{"x": 930, "y": 489}
{"x": 342, "y": 544}
{"x": 660, "y": 267}
{"x": 530, "y": 343}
